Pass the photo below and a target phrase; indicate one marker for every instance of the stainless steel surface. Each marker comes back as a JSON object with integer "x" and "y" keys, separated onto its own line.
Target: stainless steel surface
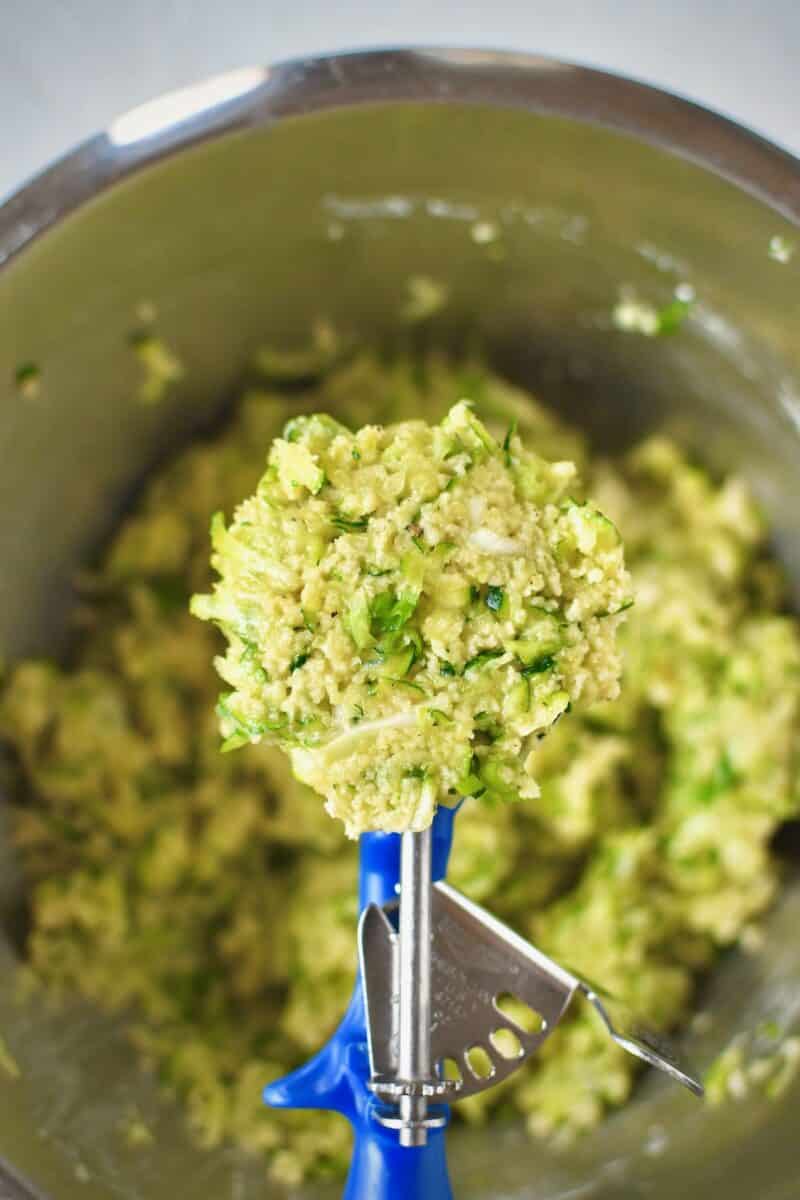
{"x": 379, "y": 962}
{"x": 476, "y": 961}
{"x": 631, "y": 1033}
{"x": 257, "y": 95}
{"x": 396, "y": 965}
{"x": 318, "y": 191}
{"x": 716, "y": 54}
{"x": 414, "y": 982}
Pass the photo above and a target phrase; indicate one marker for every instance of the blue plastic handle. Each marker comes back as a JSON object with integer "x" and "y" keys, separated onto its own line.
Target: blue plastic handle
{"x": 336, "y": 1078}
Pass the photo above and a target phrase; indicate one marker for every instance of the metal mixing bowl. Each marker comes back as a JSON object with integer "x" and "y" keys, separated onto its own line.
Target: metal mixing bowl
{"x": 244, "y": 208}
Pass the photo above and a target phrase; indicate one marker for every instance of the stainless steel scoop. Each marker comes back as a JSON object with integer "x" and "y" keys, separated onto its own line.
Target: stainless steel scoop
{"x": 445, "y": 983}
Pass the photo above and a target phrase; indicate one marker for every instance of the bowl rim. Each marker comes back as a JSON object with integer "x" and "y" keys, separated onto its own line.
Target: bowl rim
{"x": 259, "y": 95}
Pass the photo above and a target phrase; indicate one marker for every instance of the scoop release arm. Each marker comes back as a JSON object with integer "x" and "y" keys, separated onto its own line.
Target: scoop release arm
{"x": 433, "y": 975}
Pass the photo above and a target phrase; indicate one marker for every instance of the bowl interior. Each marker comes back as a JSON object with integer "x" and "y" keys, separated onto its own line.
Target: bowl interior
{"x": 533, "y": 224}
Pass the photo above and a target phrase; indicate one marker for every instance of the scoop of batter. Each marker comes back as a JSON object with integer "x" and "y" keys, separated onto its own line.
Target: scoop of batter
{"x": 408, "y": 609}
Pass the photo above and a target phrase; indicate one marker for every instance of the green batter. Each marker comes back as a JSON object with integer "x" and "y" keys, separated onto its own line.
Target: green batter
{"x": 176, "y": 881}
{"x": 409, "y": 609}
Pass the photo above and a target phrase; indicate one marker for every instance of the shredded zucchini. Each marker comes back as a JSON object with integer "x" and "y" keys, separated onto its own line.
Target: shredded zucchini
{"x": 175, "y": 883}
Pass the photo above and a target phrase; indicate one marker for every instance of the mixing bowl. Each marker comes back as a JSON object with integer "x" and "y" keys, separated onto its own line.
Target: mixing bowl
{"x": 242, "y": 209}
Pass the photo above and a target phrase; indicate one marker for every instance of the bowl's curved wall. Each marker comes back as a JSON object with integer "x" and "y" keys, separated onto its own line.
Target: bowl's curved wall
{"x": 525, "y": 189}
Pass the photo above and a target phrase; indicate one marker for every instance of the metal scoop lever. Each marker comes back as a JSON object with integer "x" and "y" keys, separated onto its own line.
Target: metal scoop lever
{"x": 400, "y": 969}
{"x": 481, "y": 975}
{"x": 473, "y": 960}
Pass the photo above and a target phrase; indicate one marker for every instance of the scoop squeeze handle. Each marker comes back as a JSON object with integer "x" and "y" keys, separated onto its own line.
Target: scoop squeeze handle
{"x": 382, "y": 1169}
{"x": 338, "y": 1077}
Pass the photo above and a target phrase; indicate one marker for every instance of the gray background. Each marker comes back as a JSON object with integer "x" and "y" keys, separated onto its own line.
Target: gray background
{"x": 67, "y": 67}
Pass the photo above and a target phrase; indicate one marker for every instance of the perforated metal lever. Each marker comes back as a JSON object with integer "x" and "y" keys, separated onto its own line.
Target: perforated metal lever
{"x": 477, "y": 965}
